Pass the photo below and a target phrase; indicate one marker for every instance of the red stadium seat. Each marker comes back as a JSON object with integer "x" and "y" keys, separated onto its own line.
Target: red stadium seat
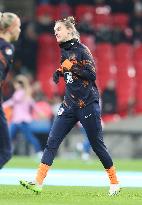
{"x": 120, "y": 20}
{"x": 49, "y": 87}
{"x": 63, "y": 10}
{"x": 44, "y": 75}
{"x": 138, "y": 50}
{"x": 46, "y": 51}
{"x": 102, "y": 20}
{"x": 81, "y": 10}
{"x": 125, "y": 78}
{"x": 46, "y": 9}
{"x": 137, "y": 55}
{"x": 104, "y": 49}
{"x": 102, "y": 16}
{"x": 138, "y": 97}
{"x": 106, "y": 69}
{"x": 104, "y": 55}
{"x": 123, "y": 49}
{"x": 125, "y": 85}
{"x": 89, "y": 41}
{"x": 138, "y": 67}
{"x": 61, "y": 87}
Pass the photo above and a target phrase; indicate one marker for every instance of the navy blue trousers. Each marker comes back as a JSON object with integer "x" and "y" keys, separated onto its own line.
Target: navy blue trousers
{"x": 5, "y": 142}
{"x": 67, "y": 117}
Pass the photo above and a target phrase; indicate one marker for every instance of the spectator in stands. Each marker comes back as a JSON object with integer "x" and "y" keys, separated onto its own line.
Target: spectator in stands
{"x": 37, "y": 91}
{"x": 22, "y": 103}
{"x": 138, "y": 7}
{"x": 26, "y": 50}
{"x": 136, "y": 21}
{"x": 109, "y": 99}
{"x": 121, "y": 6}
{"x": 120, "y": 35}
{"x": 44, "y": 24}
{"x": 103, "y": 34}
{"x": 44, "y": 122}
{"x": 41, "y": 100}
{"x": 137, "y": 33}
{"x": 136, "y": 18}
{"x": 131, "y": 106}
{"x": 85, "y": 25}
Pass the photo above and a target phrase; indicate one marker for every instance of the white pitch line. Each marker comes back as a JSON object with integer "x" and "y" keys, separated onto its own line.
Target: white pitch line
{"x": 71, "y": 177}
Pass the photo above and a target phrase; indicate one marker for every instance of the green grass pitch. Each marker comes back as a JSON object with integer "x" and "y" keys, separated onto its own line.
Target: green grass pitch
{"x": 59, "y": 163}
{"x": 62, "y": 195}
{"x": 53, "y": 195}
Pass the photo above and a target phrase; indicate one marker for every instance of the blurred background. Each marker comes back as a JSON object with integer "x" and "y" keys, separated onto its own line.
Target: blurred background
{"x": 112, "y": 29}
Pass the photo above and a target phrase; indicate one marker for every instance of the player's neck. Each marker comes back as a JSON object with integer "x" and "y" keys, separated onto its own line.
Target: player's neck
{"x": 5, "y": 36}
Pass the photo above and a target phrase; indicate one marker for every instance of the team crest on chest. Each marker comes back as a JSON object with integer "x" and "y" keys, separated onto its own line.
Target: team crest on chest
{"x": 68, "y": 77}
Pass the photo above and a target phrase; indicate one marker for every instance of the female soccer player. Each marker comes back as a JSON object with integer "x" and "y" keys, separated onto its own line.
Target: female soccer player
{"x": 9, "y": 31}
{"x": 81, "y": 103}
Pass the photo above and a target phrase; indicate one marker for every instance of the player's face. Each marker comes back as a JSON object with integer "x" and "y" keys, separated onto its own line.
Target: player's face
{"x": 16, "y": 30}
{"x": 61, "y": 32}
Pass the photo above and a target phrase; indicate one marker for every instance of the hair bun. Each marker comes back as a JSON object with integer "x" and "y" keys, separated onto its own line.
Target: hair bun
{"x": 71, "y": 19}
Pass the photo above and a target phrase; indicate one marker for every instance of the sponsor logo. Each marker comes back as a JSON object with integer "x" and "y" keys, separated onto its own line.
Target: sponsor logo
{"x": 60, "y": 111}
{"x": 86, "y": 116}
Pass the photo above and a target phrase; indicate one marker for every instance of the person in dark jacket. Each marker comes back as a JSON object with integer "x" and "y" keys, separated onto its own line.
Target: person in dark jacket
{"x": 109, "y": 98}
{"x": 9, "y": 31}
{"x": 81, "y": 103}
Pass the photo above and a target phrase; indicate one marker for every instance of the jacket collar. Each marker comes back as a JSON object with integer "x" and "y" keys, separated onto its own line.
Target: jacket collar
{"x": 68, "y": 44}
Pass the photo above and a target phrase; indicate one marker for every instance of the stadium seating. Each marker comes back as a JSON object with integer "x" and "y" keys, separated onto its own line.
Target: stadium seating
{"x": 63, "y": 10}
{"x": 120, "y": 20}
{"x": 46, "y": 9}
{"x": 138, "y": 66}
{"x": 120, "y": 62}
{"x": 123, "y": 52}
{"x": 89, "y": 41}
{"x": 125, "y": 82}
{"x": 102, "y": 16}
{"x": 47, "y": 62}
{"x": 105, "y": 64}
{"x": 44, "y": 75}
{"x": 81, "y": 10}
{"x": 46, "y": 48}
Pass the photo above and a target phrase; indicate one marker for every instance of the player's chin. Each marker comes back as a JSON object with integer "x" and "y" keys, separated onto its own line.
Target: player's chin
{"x": 15, "y": 38}
{"x": 59, "y": 40}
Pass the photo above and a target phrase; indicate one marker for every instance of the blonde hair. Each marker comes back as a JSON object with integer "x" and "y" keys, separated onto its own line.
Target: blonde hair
{"x": 7, "y": 21}
{"x": 70, "y": 23}
{"x": 24, "y": 81}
